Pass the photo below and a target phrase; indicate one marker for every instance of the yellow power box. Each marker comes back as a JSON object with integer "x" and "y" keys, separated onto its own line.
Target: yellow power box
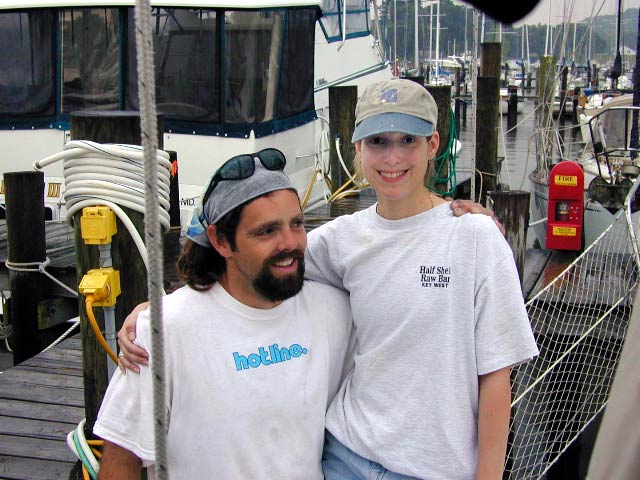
{"x": 103, "y": 284}
{"x": 98, "y": 225}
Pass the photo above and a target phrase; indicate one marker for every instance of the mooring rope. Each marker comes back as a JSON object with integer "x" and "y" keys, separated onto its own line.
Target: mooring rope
{"x": 149, "y": 129}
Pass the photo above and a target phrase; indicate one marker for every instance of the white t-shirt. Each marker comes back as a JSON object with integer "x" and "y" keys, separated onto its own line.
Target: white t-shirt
{"x": 247, "y": 389}
{"x": 436, "y": 302}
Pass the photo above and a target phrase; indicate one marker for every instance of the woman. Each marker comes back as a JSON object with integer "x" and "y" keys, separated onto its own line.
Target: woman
{"x": 437, "y": 307}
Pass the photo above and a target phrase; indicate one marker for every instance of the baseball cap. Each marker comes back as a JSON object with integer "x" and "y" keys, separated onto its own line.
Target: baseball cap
{"x": 395, "y": 105}
{"x": 230, "y": 194}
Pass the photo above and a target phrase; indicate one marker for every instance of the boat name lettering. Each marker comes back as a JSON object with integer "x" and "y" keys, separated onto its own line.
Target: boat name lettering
{"x": 567, "y": 180}
{"x": 564, "y": 231}
{"x": 189, "y": 202}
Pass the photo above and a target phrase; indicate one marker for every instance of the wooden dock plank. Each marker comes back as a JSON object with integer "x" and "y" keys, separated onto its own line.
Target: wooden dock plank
{"x": 27, "y": 427}
{"x": 51, "y": 367}
{"x": 44, "y": 394}
{"x": 41, "y": 448}
{"x": 16, "y": 468}
{"x": 42, "y": 411}
{"x": 33, "y": 377}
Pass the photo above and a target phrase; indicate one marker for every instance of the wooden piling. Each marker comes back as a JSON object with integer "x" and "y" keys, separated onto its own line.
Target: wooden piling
{"x": 491, "y": 59}
{"x": 24, "y": 202}
{"x": 575, "y": 102}
{"x": 342, "y": 107}
{"x": 488, "y": 111}
{"x": 511, "y": 207}
{"x": 442, "y": 96}
{"x": 546, "y": 90}
{"x": 563, "y": 91}
{"x": 512, "y": 110}
{"x": 108, "y": 127}
{"x": 458, "y": 100}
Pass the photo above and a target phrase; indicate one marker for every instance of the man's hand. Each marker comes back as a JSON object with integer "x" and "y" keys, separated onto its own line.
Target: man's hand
{"x": 460, "y": 207}
{"x": 131, "y": 355}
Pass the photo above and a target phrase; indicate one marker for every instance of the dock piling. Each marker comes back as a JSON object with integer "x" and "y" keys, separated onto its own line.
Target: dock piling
{"x": 24, "y": 201}
{"x": 108, "y": 127}
{"x": 488, "y": 110}
{"x": 342, "y": 107}
{"x": 511, "y": 207}
{"x": 442, "y": 95}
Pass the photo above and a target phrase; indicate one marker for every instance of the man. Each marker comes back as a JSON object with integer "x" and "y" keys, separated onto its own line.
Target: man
{"x": 253, "y": 353}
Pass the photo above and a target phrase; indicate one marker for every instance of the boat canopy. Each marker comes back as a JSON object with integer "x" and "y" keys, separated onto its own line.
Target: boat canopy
{"x": 244, "y": 4}
{"x": 219, "y": 71}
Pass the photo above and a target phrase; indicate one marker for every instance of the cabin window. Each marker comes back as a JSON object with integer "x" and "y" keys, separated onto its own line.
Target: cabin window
{"x": 297, "y": 65}
{"x": 186, "y": 62}
{"x": 90, "y": 53}
{"x": 218, "y": 71}
{"x": 357, "y": 19}
{"x": 27, "y": 63}
{"x": 253, "y": 47}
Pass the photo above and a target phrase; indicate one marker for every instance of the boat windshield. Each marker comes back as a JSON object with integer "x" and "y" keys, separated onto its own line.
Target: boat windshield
{"x": 332, "y": 20}
{"x": 218, "y": 71}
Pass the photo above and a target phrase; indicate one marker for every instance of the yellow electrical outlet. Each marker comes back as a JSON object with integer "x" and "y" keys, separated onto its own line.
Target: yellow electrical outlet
{"x": 103, "y": 284}
{"x": 98, "y": 225}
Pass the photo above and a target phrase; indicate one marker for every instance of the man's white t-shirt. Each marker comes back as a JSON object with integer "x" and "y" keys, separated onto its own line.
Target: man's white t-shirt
{"x": 247, "y": 389}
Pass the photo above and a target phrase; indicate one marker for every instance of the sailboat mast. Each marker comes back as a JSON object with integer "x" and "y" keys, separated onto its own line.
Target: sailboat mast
{"x": 437, "y": 38}
{"x": 415, "y": 38}
{"x": 395, "y": 39}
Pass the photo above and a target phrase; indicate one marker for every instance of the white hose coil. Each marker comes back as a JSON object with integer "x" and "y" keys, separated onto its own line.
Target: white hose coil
{"x": 109, "y": 173}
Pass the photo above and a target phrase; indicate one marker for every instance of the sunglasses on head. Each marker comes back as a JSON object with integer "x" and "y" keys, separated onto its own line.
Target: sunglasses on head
{"x": 243, "y": 166}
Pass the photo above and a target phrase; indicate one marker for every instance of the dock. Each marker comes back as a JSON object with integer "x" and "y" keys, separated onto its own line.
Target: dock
{"x": 41, "y": 401}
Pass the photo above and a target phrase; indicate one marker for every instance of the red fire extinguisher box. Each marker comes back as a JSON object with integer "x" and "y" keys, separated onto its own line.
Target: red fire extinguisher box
{"x": 566, "y": 207}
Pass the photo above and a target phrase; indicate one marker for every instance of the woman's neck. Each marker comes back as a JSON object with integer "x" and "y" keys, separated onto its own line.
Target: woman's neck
{"x": 407, "y": 207}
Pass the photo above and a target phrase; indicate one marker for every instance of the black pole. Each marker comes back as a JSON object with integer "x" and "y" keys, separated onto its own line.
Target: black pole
{"x": 616, "y": 71}
{"x": 636, "y": 95}
{"x": 26, "y": 244}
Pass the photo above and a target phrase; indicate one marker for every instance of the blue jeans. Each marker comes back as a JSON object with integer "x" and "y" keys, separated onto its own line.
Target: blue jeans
{"x": 340, "y": 463}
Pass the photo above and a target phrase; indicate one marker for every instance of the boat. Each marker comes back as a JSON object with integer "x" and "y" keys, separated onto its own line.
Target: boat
{"x": 231, "y": 78}
{"x": 597, "y": 102}
{"x": 610, "y": 164}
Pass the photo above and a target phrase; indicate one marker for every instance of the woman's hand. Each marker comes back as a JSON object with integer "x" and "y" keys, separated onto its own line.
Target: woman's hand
{"x": 131, "y": 355}
{"x": 460, "y": 207}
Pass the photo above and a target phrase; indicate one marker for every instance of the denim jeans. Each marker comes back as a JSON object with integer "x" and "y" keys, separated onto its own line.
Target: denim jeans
{"x": 340, "y": 463}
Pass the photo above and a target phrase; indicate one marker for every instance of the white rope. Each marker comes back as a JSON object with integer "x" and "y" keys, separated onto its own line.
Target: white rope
{"x": 64, "y": 335}
{"x": 148, "y": 123}
{"x": 39, "y": 267}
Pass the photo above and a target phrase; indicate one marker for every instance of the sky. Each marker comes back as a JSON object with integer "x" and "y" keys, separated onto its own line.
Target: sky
{"x": 581, "y": 10}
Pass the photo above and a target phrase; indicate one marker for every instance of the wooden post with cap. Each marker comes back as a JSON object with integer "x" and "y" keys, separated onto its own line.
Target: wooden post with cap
{"x": 108, "y": 127}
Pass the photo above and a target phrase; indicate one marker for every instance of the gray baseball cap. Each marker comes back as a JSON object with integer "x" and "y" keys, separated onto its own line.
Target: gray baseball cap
{"x": 230, "y": 194}
{"x": 396, "y": 105}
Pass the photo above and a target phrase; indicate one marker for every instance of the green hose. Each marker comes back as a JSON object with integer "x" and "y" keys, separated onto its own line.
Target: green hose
{"x": 447, "y": 157}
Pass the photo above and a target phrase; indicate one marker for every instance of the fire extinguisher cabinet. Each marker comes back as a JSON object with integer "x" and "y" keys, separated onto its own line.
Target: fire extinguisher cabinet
{"x": 566, "y": 207}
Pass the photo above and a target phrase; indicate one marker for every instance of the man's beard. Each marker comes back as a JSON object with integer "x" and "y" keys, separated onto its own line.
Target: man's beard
{"x": 276, "y": 289}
